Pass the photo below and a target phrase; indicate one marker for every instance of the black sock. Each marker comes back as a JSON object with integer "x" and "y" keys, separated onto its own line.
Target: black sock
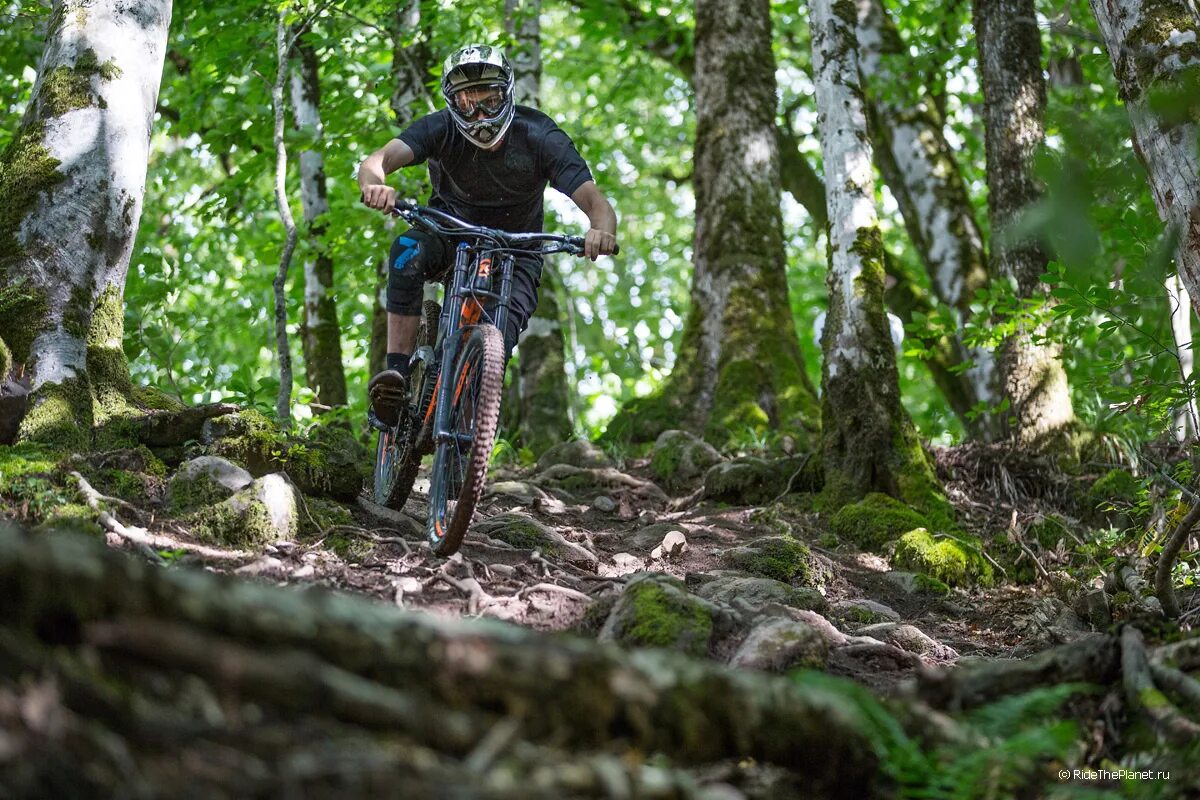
{"x": 399, "y": 362}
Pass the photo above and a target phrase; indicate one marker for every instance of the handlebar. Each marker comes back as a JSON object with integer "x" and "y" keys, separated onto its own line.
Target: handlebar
{"x": 444, "y": 224}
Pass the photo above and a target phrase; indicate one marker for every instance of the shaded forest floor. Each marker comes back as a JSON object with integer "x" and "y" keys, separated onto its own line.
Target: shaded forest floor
{"x": 722, "y": 560}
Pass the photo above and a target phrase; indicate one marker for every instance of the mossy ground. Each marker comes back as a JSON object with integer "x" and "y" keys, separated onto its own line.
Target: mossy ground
{"x": 523, "y": 534}
{"x": 33, "y": 482}
{"x": 1117, "y": 490}
{"x": 875, "y": 521}
{"x": 953, "y": 561}
{"x": 322, "y": 515}
{"x": 780, "y": 557}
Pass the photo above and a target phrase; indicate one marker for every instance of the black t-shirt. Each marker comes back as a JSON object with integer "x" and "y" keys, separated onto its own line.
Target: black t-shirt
{"x": 499, "y": 188}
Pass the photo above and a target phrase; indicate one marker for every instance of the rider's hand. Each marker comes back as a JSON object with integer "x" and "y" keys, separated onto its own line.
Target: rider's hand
{"x": 598, "y": 243}
{"x": 379, "y": 197}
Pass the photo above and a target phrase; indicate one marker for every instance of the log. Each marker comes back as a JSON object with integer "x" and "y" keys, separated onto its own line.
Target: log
{"x": 336, "y": 654}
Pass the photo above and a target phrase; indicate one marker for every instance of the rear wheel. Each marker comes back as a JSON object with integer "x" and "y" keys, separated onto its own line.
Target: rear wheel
{"x": 460, "y": 463}
{"x": 397, "y": 460}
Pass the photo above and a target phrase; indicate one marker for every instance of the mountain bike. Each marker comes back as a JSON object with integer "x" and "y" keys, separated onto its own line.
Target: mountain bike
{"x": 456, "y": 375}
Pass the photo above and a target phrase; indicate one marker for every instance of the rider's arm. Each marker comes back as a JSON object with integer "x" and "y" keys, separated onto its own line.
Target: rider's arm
{"x": 376, "y": 167}
{"x": 601, "y": 239}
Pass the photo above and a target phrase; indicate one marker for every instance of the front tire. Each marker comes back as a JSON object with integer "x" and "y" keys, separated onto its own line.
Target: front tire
{"x": 460, "y": 463}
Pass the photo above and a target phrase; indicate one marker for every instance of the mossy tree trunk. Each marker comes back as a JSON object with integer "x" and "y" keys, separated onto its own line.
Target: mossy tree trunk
{"x": 868, "y": 441}
{"x": 71, "y": 189}
{"x": 410, "y": 99}
{"x": 924, "y": 176}
{"x": 740, "y": 369}
{"x": 1014, "y": 101}
{"x": 321, "y": 335}
{"x": 1154, "y": 47}
{"x": 538, "y": 408}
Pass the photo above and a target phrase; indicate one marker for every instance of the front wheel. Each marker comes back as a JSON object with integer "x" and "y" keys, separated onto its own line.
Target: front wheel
{"x": 460, "y": 460}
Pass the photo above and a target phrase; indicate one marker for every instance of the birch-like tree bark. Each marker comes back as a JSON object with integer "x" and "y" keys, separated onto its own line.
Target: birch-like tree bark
{"x": 868, "y": 441}
{"x": 321, "y": 336}
{"x": 410, "y": 99}
{"x": 1014, "y": 101}
{"x": 740, "y": 368}
{"x": 1186, "y": 420}
{"x": 1154, "y": 46}
{"x": 539, "y": 405}
{"x": 71, "y": 189}
{"x": 283, "y": 400}
{"x": 924, "y": 176}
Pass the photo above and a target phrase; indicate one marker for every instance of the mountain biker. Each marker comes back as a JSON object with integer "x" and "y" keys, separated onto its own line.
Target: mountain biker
{"x": 489, "y": 162}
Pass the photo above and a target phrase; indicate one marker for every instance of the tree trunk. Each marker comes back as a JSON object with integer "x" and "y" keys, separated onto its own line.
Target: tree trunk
{"x": 867, "y": 438}
{"x": 740, "y": 371}
{"x": 410, "y": 67}
{"x": 1153, "y": 50}
{"x": 924, "y": 176}
{"x": 1014, "y": 98}
{"x": 71, "y": 188}
{"x": 538, "y": 406}
{"x": 322, "y": 338}
{"x": 283, "y": 400}
{"x": 1186, "y": 419}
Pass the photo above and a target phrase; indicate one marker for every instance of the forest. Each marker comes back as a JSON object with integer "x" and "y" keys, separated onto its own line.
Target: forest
{"x": 867, "y": 467}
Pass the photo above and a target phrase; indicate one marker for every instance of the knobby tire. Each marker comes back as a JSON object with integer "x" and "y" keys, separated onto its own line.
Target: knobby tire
{"x": 479, "y": 370}
{"x": 397, "y": 461}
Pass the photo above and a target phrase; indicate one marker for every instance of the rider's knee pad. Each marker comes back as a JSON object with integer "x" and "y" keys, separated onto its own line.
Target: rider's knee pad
{"x": 407, "y": 267}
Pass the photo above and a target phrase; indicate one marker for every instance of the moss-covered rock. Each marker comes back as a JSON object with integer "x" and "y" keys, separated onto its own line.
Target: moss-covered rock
{"x": 875, "y": 521}
{"x": 72, "y": 517}
{"x": 680, "y": 457}
{"x": 265, "y": 511}
{"x": 754, "y": 481}
{"x": 204, "y": 481}
{"x": 781, "y": 644}
{"x": 953, "y": 561}
{"x": 728, "y": 586}
{"x": 522, "y": 532}
{"x": 330, "y": 461}
{"x": 779, "y": 557}
{"x": 322, "y": 515}
{"x": 657, "y": 611}
{"x": 578, "y": 453}
{"x": 32, "y": 482}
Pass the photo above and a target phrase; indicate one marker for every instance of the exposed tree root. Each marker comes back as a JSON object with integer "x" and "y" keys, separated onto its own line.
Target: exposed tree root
{"x": 1166, "y": 561}
{"x": 1142, "y": 694}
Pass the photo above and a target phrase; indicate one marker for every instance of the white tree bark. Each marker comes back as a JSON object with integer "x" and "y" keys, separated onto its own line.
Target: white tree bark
{"x": 868, "y": 441}
{"x": 924, "y": 176}
{"x": 1186, "y": 420}
{"x": 283, "y": 400}
{"x": 69, "y": 232}
{"x": 321, "y": 335}
{"x": 1152, "y": 45}
{"x": 522, "y": 21}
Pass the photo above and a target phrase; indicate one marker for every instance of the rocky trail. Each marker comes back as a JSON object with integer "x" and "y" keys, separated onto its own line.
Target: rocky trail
{"x": 727, "y": 562}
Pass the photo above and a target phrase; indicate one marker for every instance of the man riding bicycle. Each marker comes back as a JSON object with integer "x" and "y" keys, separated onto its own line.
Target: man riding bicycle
{"x": 490, "y": 161}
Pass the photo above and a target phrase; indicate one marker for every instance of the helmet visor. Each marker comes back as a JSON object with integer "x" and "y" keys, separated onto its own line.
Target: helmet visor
{"x": 479, "y": 101}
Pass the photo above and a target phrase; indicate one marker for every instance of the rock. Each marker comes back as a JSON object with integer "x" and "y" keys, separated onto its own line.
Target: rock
{"x": 754, "y": 481}
{"x": 780, "y": 644}
{"x": 651, "y": 536}
{"x": 955, "y": 561}
{"x": 329, "y": 461}
{"x": 656, "y": 610}
{"x": 526, "y": 533}
{"x": 266, "y": 565}
{"x": 904, "y": 581}
{"x": 1093, "y": 606}
{"x": 726, "y": 587}
{"x": 875, "y": 521}
{"x": 265, "y": 511}
{"x": 559, "y": 478}
{"x": 864, "y": 611}
{"x": 306, "y": 571}
{"x": 679, "y": 457}
{"x": 673, "y": 544}
{"x": 779, "y": 557}
{"x": 909, "y": 638}
{"x": 521, "y": 491}
{"x": 604, "y": 504}
{"x": 579, "y": 453}
{"x": 204, "y": 481}
{"x": 627, "y": 563}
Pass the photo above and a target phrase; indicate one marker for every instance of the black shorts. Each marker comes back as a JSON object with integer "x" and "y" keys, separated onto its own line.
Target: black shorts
{"x": 418, "y": 257}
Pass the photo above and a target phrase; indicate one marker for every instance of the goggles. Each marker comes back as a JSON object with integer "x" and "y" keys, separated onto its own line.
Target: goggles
{"x": 468, "y": 102}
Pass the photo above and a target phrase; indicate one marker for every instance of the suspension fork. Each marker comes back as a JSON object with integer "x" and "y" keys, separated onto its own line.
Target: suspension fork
{"x": 448, "y": 339}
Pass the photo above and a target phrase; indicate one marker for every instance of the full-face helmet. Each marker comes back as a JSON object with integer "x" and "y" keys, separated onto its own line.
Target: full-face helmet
{"x": 477, "y": 82}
